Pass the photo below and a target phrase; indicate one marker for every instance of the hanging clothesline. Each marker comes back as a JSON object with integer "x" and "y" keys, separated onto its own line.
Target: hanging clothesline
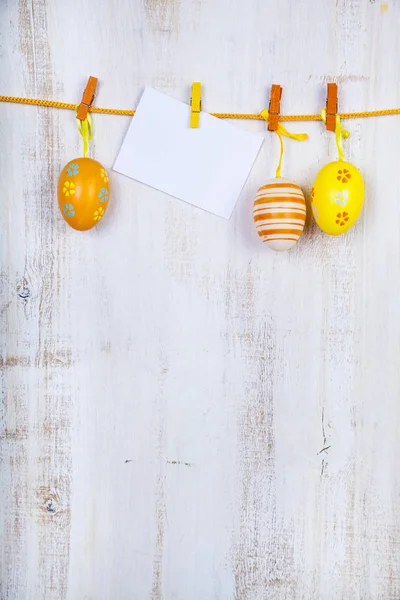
{"x": 254, "y": 116}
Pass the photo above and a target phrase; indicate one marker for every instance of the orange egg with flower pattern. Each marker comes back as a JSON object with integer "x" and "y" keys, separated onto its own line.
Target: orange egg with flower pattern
{"x": 83, "y": 193}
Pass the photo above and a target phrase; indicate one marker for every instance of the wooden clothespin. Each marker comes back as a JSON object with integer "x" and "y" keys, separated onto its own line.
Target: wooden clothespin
{"x": 195, "y": 105}
{"x": 274, "y": 107}
{"x": 87, "y": 98}
{"x": 331, "y": 106}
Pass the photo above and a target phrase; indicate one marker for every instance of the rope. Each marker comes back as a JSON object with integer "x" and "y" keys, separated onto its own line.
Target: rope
{"x": 254, "y": 116}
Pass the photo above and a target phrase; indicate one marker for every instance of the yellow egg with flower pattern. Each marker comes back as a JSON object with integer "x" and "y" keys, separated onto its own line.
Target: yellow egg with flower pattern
{"x": 83, "y": 193}
{"x": 337, "y": 197}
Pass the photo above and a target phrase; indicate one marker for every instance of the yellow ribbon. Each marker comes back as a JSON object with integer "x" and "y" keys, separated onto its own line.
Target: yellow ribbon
{"x": 340, "y": 133}
{"x": 282, "y": 131}
{"x": 85, "y": 128}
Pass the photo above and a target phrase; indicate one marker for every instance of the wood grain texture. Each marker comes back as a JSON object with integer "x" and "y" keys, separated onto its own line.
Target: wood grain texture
{"x": 185, "y": 414}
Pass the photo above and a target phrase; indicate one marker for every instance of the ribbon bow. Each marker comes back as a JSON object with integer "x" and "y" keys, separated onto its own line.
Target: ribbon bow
{"x": 282, "y": 131}
{"x": 85, "y": 128}
{"x": 340, "y": 133}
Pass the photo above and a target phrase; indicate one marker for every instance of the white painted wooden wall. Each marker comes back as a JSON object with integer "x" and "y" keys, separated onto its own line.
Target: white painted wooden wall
{"x": 168, "y": 383}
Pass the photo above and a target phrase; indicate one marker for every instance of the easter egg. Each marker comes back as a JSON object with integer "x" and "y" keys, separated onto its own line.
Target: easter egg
{"x": 279, "y": 213}
{"x": 337, "y": 197}
{"x": 83, "y": 193}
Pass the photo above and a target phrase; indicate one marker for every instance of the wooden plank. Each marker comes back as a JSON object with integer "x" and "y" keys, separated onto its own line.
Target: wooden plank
{"x": 184, "y": 413}
{"x": 36, "y": 353}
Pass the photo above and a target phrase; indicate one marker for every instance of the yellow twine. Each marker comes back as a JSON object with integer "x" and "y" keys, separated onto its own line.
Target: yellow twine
{"x": 340, "y": 133}
{"x": 282, "y": 131}
{"x": 254, "y": 116}
{"x": 85, "y": 128}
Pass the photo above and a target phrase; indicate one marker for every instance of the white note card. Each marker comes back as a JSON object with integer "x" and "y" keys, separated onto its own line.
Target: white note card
{"x": 206, "y": 167}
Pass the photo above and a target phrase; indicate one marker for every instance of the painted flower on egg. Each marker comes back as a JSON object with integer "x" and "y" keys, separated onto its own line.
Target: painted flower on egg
{"x": 98, "y": 214}
{"x": 342, "y": 197}
{"x": 103, "y": 195}
{"x": 104, "y": 175}
{"x": 72, "y": 169}
{"x": 69, "y": 188}
{"x": 69, "y": 210}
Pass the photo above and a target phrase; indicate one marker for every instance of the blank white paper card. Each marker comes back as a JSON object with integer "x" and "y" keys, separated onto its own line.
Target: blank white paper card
{"x": 206, "y": 167}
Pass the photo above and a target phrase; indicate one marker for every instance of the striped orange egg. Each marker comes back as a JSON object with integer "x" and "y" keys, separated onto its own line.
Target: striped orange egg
{"x": 279, "y": 213}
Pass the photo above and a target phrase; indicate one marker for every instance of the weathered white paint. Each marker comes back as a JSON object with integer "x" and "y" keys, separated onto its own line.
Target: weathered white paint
{"x": 168, "y": 383}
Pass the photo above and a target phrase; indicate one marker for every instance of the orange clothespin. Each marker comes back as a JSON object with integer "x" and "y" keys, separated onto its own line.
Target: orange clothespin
{"x": 274, "y": 107}
{"x": 331, "y": 106}
{"x": 195, "y": 105}
{"x": 87, "y": 98}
